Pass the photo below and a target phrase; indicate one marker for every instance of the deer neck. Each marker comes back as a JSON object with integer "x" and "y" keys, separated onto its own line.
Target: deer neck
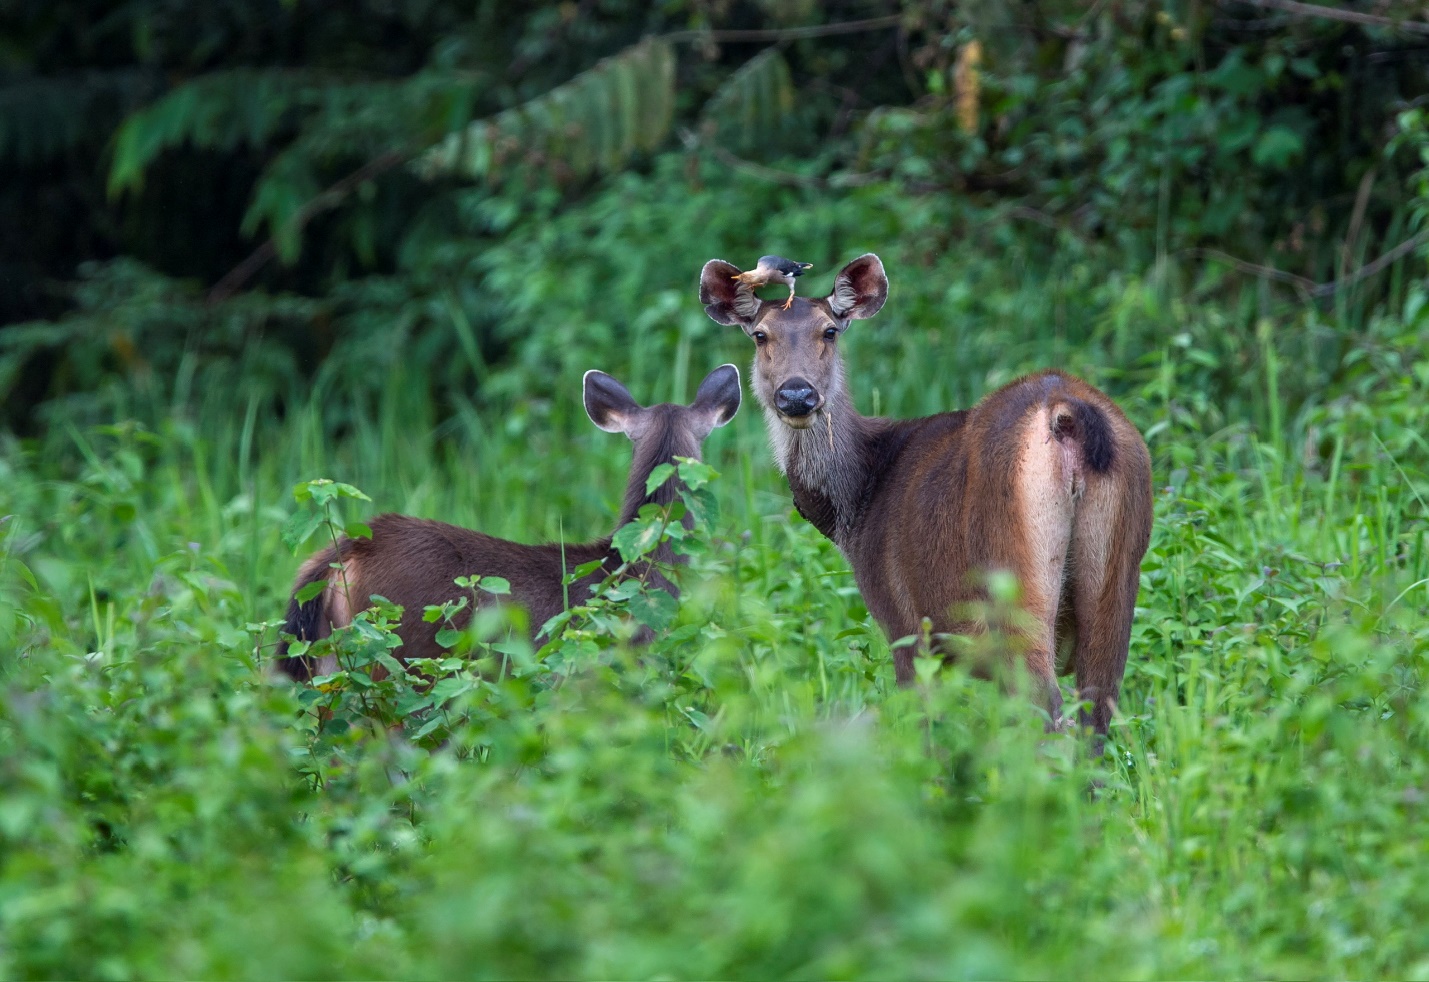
{"x": 826, "y": 463}
{"x": 650, "y": 453}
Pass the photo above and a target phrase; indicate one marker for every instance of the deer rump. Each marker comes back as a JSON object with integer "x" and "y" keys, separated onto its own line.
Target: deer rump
{"x": 1034, "y": 481}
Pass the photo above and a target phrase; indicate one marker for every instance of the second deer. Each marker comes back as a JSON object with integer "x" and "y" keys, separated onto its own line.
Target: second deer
{"x": 1045, "y": 478}
{"x": 413, "y": 561}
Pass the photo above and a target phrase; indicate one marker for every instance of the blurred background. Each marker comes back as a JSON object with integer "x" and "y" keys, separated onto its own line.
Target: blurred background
{"x": 382, "y": 240}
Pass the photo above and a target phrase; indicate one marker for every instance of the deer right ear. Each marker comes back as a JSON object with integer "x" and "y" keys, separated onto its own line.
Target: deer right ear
{"x": 859, "y": 289}
{"x": 718, "y": 396}
{"x": 609, "y": 404}
{"x": 726, "y": 300}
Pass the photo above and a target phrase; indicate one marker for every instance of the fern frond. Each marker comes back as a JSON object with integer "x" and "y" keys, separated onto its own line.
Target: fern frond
{"x": 220, "y": 110}
{"x": 596, "y": 121}
{"x": 754, "y": 99}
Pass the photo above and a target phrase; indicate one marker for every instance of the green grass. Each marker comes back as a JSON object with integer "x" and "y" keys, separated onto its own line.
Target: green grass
{"x": 753, "y": 798}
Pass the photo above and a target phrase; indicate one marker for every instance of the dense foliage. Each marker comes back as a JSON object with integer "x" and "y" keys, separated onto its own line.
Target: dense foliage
{"x": 459, "y": 208}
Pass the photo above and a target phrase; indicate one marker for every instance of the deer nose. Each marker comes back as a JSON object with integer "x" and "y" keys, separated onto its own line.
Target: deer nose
{"x": 796, "y": 397}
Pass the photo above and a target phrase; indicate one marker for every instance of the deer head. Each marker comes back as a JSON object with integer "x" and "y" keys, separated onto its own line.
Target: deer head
{"x": 796, "y": 364}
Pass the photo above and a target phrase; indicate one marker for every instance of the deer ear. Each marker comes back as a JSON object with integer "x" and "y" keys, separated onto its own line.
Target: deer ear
{"x": 726, "y": 300}
{"x": 609, "y": 404}
{"x": 718, "y": 397}
{"x": 859, "y": 289}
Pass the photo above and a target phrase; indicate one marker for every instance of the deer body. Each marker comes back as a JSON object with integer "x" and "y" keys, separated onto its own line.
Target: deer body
{"x": 1045, "y": 478}
{"x": 413, "y": 561}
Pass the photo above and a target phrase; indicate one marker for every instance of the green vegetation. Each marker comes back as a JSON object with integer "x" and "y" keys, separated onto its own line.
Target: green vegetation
{"x": 749, "y": 796}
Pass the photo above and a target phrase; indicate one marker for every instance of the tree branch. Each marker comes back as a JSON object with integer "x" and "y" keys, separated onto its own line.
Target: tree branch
{"x": 1307, "y": 286}
{"x": 1335, "y": 13}
{"x": 1369, "y": 269}
{"x": 785, "y": 33}
{"x": 329, "y": 198}
{"x": 1303, "y": 283}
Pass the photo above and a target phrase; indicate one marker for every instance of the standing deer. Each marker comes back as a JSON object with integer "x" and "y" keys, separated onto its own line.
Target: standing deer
{"x": 1045, "y": 478}
{"x": 413, "y": 561}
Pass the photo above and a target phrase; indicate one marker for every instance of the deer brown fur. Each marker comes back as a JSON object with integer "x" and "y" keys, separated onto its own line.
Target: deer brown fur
{"x": 413, "y": 561}
{"x": 1045, "y": 478}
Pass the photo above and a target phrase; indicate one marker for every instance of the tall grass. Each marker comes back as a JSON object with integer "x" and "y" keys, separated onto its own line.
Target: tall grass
{"x": 755, "y": 798}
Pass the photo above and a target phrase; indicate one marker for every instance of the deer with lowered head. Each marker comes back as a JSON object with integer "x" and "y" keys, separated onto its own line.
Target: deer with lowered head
{"x": 413, "y": 561}
{"x": 1045, "y": 478}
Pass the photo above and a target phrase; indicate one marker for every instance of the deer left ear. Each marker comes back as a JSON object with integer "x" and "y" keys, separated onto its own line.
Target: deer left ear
{"x": 726, "y": 300}
{"x": 859, "y": 289}
{"x": 609, "y": 404}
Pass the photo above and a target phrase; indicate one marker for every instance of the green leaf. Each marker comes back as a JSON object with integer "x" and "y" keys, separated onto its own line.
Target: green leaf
{"x": 1277, "y": 147}
{"x": 309, "y": 591}
{"x": 624, "y": 590}
{"x": 394, "y": 667}
{"x": 299, "y": 527}
{"x": 926, "y": 668}
{"x": 450, "y": 688}
{"x": 413, "y": 701}
{"x": 430, "y": 727}
{"x": 348, "y": 491}
{"x": 637, "y": 538}
{"x": 654, "y": 608}
{"x": 696, "y": 473}
{"x": 495, "y": 585}
{"x": 448, "y": 637}
{"x": 357, "y": 530}
{"x": 658, "y": 477}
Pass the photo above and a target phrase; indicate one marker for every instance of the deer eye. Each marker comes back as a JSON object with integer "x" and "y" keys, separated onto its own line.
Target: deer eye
{"x": 831, "y": 333}
{"x": 760, "y": 337}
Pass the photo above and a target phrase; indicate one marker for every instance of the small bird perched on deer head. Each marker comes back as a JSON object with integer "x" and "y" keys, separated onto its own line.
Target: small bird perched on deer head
{"x": 774, "y": 269}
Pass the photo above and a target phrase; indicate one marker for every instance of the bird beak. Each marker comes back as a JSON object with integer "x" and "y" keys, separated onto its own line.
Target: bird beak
{"x": 807, "y": 265}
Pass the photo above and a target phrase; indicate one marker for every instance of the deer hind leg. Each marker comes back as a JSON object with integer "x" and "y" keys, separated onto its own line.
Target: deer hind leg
{"x": 1105, "y": 576}
{"x": 1048, "y": 480}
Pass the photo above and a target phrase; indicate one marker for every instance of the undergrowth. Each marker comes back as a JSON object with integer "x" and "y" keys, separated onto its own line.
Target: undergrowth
{"x": 748, "y": 795}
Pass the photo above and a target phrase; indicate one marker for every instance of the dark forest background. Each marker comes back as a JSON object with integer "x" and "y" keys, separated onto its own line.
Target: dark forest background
{"x": 286, "y": 191}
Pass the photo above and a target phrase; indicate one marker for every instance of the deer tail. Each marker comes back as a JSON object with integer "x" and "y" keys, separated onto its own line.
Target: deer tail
{"x": 1086, "y": 426}
{"x": 309, "y": 621}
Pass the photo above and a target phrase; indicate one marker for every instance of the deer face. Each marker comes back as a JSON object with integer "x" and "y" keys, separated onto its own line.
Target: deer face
{"x": 796, "y": 359}
{"x": 666, "y": 428}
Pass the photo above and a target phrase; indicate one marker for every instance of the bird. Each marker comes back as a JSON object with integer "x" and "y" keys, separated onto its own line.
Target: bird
{"x": 774, "y": 269}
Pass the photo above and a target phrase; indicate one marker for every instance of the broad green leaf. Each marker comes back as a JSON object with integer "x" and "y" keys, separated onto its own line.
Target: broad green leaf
{"x": 658, "y": 477}
{"x": 637, "y": 538}
{"x": 450, "y": 688}
{"x": 299, "y": 527}
{"x": 654, "y": 608}
{"x": 696, "y": 473}
{"x": 495, "y": 585}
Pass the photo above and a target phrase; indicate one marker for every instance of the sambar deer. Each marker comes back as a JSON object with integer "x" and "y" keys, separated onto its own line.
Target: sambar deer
{"x": 1045, "y": 478}
{"x": 413, "y": 561}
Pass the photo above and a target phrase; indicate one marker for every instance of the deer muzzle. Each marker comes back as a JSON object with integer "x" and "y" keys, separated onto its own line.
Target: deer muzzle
{"x": 797, "y": 399}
